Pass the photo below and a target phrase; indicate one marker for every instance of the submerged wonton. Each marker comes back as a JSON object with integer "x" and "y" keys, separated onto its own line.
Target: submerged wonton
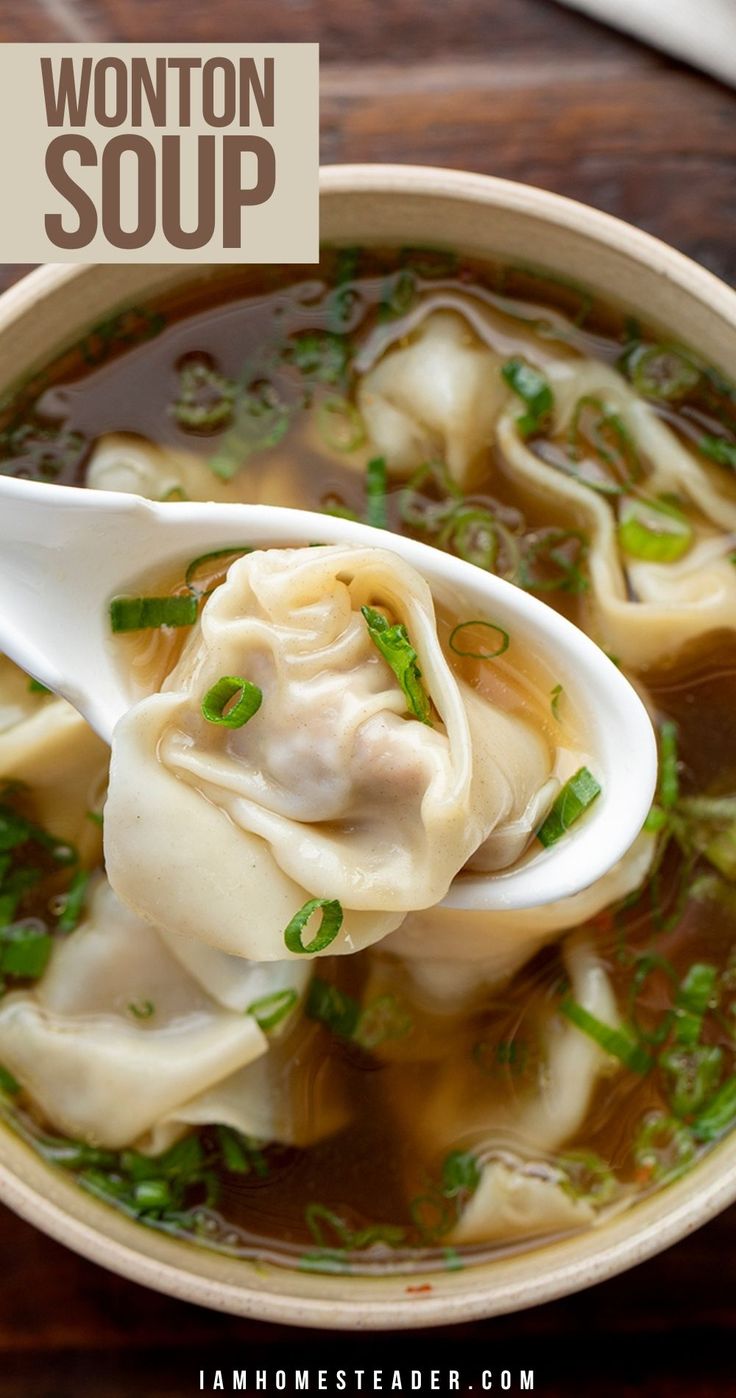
{"x": 332, "y": 790}
{"x": 118, "y": 1044}
{"x": 513, "y": 1133}
{"x": 645, "y": 606}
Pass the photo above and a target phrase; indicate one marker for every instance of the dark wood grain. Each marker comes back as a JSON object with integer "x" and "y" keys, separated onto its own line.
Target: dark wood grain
{"x": 531, "y": 91}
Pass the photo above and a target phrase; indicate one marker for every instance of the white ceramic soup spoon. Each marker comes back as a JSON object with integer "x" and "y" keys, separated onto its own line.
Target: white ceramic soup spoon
{"x": 64, "y": 553}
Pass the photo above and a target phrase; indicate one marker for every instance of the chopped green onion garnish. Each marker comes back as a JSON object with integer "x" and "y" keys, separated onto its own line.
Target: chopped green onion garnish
{"x": 96, "y": 817}
{"x": 382, "y": 1019}
{"x": 271, "y": 1009}
{"x": 8, "y": 1084}
{"x": 654, "y": 530}
{"x": 718, "y": 449}
{"x": 719, "y": 1115}
{"x": 35, "y": 687}
{"x": 554, "y": 561}
{"x": 429, "y": 496}
{"x": 331, "y": 1006}
{"x": 240, "y": 1153}
{"x": 320, "y": 354}
{"x": 588, "y": 1177}
{"x": 460, "y": 1174}
{"x": 261, "y": 419}
{"x": 398, "y": 296}
{"x": 602, "y": 453}
{"x": 190, "y": 577}
{"x": 693, "y": 1075}
{"x": 205, "y": 402}
{"x": 331, "y": 922}
{"x": 579, "y": 792}
{"x": 152, "y": 1195}
{"x": 662, "y": 372}
{"x": 555, "y": 696}
{"x": 534, "y": 391}
{"x": 471, "y": 533}
{"x": 693, "y": 999}
{"x": 142, "y": 613}
{"x": 669, "y": 780}
{"x": 617, "y": 1042}
{"x": 504, "y": 640}
{"x": 217, "y": 699}
{"x": 25, "y": 948}
{"x": 74, "y": 902}
{"x": 398, "y": 652}
{"x": 340, "y": 424}
{"x": 664, "y": 1147}
{"x": 375, "y": 493}
{"x": 142, "y": 1009}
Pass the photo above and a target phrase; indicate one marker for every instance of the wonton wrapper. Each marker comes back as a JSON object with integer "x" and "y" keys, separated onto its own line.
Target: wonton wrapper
{"x": 435, "y": 399}
{"x": 453, "y": 958}
{"x": 100, "y": 1073}
{"x": 448, "y": 1107}
{"x": 330, "y": 790}
{"x": 131, "y": 464}
{"x": 643, "y": 611}
{"x": 61, "y": 764}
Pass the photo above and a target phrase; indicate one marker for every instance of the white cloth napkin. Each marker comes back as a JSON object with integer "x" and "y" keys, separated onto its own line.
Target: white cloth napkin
{"x": 702, "y": 32}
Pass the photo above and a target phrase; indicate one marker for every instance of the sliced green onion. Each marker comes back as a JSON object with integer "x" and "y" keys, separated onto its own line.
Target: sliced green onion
{"x": 398, "y": 296}
{"x": 190, "y": 577}
{"x": 205, "y": 401}
{"x": 534, "y": 391}
{"x": 693, "y": 1075}
{"x": 453, "y": 1260}
{"x": 669, "y": 779}
{"x": 693, "y": 999}
{"x": 320, "y": 354}
{"x": 216, "y": 700}
{"x": 460, "y": 1174}
{"x": 553, "y": 562}
{"x": 74, "y": 901}
{"x": 654, "y": 530}
{"x": 381, "y": 1020}
{"x": 596, "y": 427}
{"x": 472, "y": 534}
{"x": 325, "y": 1261}
{"x": 618, "y": 1042}
{"x": 662, "y": 372}
{"x": 332, "y": 1007}
{"x": 503, "y": 643}
{"x": 241, "y": 1154}
{"x": 664, "y": 1147}
{"x": 261, "y": 419}
{"x": 375, "y": 493}
{"x": 588, "y": 1177}
{"x": 719, "y": 1115}
{"x": 432, "y": 1215}
{"x": 25, "y": 948}
{"x": 718, "y": 449}
{"x": 151, "y": 1196}
{"x": 555, "y": 698}
{"x": 8, "y": 1084}
{"x": 330, "y": 924}
{"x": 340, "y": 424}
{"x": 429, "y": 496}
{"x": 141, "y": 1009}
{"x": 35, "y": 687}
{"x": 490, "y": 1058}
{"x": 270, "y": 1010}
{"x": 398, "y": 652}
{"x": 143, "y": 613}
{"x": 578, "y": 793}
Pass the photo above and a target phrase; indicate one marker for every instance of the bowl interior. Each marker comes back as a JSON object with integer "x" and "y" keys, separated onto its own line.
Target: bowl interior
{"x": 486, "y": 218}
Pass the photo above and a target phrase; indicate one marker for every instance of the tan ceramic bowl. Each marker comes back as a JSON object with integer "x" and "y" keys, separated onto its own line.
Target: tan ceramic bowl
{"x": 388, "y": 205}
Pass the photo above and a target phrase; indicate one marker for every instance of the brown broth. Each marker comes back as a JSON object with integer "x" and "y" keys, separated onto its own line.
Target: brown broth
{"x": 124, "y": 378}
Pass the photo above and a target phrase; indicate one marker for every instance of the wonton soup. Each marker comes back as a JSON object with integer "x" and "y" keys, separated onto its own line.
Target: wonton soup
{"x": 233, "y": 1004}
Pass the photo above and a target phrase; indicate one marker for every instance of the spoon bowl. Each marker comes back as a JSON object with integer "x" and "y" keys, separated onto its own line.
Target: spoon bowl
{"x": 65, "y": 552}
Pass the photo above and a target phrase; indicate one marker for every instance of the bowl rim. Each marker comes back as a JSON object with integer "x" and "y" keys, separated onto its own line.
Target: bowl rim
{"x": 570, "y": 1263}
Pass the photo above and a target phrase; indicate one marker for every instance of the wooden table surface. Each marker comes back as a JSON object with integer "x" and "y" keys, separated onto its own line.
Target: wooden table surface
{"x": 531, "y": 91}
